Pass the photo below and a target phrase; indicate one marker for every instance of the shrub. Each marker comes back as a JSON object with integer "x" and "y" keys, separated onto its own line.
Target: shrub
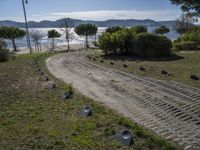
{"x": 164, "y": 46}
{"x": 186, "y": 45}
{"x": 151, "y": 45}
{"x": 119, "y": 42}
{"x": 4, "y": 55}
{"x": 191, "y": 36}
{"x": 2, "y": 44}
{"x": 106, "y": 43}
{"x": 127, "y": 42}
{"x": 189, "y": 40}
{"x": 124, "y": 41}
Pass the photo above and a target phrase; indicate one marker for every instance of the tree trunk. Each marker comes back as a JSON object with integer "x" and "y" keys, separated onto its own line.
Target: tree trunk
{"x": 87, "y": 45}
{"x": 14, "y": 45}
{"x": 68, "y": 47}
{"x": 53, "y": 43}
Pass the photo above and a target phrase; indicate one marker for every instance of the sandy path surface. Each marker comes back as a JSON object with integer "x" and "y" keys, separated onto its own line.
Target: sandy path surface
{"x": 169, "y": 109}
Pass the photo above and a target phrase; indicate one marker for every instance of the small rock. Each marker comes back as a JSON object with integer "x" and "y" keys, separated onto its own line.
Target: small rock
{"x": 112, "y": 63}
{"x": 52, "y": 86}
{"x": 194, "y": 77}
{"x": 86, "y": 112}
{"x": 102, "y": 61}
{"x": 142, "y": 69}
{"x": 65, "y": 96}
{"x": 46, "y": 78}
{"x": 164, "y": 72}
{"x": 125, "y": 137}
{"x": 125, "y": 66}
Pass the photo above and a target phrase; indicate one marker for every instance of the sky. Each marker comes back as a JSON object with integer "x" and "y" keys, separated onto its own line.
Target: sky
{"x": 37, "y": 10}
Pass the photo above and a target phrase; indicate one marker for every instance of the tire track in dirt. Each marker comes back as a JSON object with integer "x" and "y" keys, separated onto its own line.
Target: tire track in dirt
{"x": 170, "y": 109}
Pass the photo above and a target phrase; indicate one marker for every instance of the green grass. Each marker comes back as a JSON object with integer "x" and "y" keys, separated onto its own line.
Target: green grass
{"x": 34, "y": 117}
{"x": 181, "y": 66}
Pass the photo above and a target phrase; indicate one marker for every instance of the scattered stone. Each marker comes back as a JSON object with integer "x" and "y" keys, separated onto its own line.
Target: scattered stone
{"x": 125, "y": 137}
{"x": 52, "y": 86}
{"x": 112, "y": 63}
{"x": 164, "y": 72}
{"x": 46, "y": 78}
{"x": 125, "y": 66}
{"x": 41, "y": 73}
{"x": 86, "y": 112}
{"x": 65, "y": 96}
{"x": 142, "y": 69}
{"x": 94, "y": 59}
{"x": 102, "y": 61}
{"x": 194, "y": 77}
{"x": 89, "y": 57}
{"x": 39, "y": 70}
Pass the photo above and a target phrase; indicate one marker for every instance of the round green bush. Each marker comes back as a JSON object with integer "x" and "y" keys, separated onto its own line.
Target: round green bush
{"x": 164, "y": 46}
{"x": 151, "y": 45}
{"x": 4, "y": 55}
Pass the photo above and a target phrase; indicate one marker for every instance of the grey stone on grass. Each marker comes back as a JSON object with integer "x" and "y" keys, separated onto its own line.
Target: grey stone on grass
{"x": 65, "y": 96}
{"x": 142, "y": 69}
{"x": 194, "y": 77}
{"x": 125, "y": 66}
{"x": 52, "y": 86}
{"x": 46, "y": 78}
{"x": 164, "y": 72}
{"x": 125, "y": 137}
{"x": 86, "y": 111}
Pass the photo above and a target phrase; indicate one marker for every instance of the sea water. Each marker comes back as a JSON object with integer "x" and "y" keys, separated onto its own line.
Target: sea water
{"x": 74, "y": 38}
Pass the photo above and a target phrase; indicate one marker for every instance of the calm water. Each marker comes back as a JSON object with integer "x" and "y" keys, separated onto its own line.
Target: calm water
{"x": 75, "y": 38}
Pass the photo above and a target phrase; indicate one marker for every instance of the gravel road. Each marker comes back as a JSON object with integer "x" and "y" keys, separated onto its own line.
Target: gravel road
{"x": 170, "y": 109}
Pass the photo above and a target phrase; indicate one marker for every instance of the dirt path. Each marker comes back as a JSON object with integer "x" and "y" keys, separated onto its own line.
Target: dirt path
{"x": 169, "y": 109}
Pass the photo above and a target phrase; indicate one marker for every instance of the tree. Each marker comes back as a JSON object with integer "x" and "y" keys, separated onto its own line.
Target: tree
{"x": 162, "y": 30}
{"x": 139, "y": 29}
{"x": 113, "y": 29}
{"x": 86, "y": 30}
{"x": 185, "y": 23}
{"x": 37, "y": 37}
{"x": 191, "y": 6}
{"x": 66, "y": 25}
{"x": 12, "y": 33}
{"x": 52, "y": 34}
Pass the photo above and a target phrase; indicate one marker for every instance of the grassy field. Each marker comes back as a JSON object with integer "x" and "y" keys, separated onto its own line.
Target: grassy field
{"x": 180, "y": 66}
{"x": 34, "y": 117}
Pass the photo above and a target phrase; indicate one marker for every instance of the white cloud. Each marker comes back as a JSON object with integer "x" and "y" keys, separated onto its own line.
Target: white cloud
{"x": 120, "y": 14}
{"x": 99, "y": 15}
